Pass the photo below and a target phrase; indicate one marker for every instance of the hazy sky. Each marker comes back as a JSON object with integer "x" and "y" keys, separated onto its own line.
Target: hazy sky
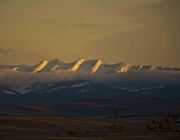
{"x": 130, "y": 31}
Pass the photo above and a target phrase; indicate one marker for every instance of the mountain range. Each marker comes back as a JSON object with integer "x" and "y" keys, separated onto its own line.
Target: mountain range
{"x": 88, "y": 88}
{"x": 56, "y": 81}
{"x": 85, "y": 66}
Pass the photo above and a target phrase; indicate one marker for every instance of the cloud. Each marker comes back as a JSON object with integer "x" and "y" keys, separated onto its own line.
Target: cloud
{"x": 4, "y": 51}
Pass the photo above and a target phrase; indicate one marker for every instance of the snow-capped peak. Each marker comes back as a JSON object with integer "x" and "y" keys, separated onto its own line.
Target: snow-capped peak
{"x": 124, "y": 68}
{"x": 15, "y": 68}
{"x": 96, "y": 66}
{"x": 75, "y": 67}
{"x": 41, "y": 66}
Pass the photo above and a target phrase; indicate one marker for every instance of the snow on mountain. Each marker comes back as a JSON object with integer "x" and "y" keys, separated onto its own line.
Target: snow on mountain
{"x": 54, "y": 80}
{"x": 90, "y": 66}
{"x": 128, "y": 68}
{"x": 7, "y": 91}
{"x": 95, "y": 70}
{"x": 76, "y": 89}
{"x": 41, "y": 66}
{"x": 76, "y": 66}
{"x": 70, "y": 90}
{"x": 109, "y": 68}
{"x": 86, "y": 66}
{"x": 51, "y": 65}
{"x": 96, "y": 66}
{"x": 125, "y": 68}
{"x": 24, "y": 68}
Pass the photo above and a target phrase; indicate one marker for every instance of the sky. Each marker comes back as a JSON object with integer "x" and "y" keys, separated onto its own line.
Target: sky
{"x": 129, "y": 31}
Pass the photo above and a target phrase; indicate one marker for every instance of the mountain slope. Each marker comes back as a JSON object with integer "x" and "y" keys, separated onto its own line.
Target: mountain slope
{"x": 71, "y": 90}
{"x": 7, "y": 91}
{"x": 62, "y": 91}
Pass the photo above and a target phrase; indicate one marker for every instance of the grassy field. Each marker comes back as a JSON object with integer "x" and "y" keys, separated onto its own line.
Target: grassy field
{"x": 76, "y": 128}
